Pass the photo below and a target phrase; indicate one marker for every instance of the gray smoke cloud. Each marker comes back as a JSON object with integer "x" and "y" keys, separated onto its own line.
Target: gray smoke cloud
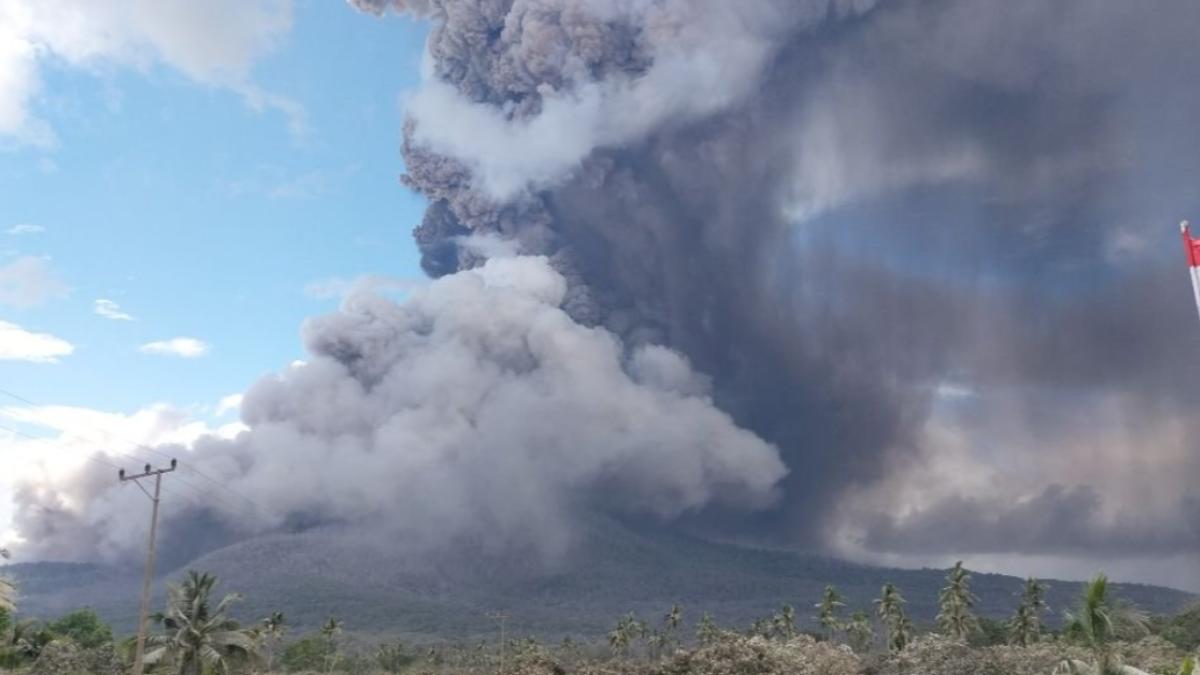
{"x": 924, "y": 251}
{"x": 842, "y": 211}
{"x": 474, "y": 412}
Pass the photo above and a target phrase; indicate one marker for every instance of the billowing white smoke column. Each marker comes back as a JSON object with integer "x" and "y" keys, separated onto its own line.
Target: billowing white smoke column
{"x": 474, "y": 412}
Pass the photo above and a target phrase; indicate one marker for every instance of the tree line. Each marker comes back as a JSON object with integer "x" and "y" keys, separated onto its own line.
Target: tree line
{"x": 196, "y": 635}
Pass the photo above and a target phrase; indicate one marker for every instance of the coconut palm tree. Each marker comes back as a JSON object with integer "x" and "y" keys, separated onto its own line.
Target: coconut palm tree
{"x": 860, "y": 632}
{"x": 1034, "y": 597}
{"x": 618, "y": 639}
{"x": 198, "y": 637}
{"x": 955, "y": 603}
{"x": 8, "y": 589}
{"x": 763, "y": 627}
{"x": 827, "y": 611}
{"x": 627, "y": 629}
{"x": 785, "y": 622}
{"x": 272, "y": 629}
{"x": 706, "y": 629}
{"x": 1023, "y": 627}
{"x": 890, "y": 607}
{"x": 331, "y": 629}
{"x": 673, "y": 618}
{"x": 1097, "y": 621}
{"x": 8, "y": 594}
{"x": 671, "y": 623}
{"x": 657, "y": 642}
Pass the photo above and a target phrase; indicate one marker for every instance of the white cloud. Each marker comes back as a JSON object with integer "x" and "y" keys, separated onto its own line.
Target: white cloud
{"x": 25, "y": 228}
{"x": 18, "y": 344}
{"x": 111, "y": 310}
{"x": 214, "y": 42}
{"x": 183, "y": 347}
{"x": 228, "y": 404}
{"x": 28, "y": 281}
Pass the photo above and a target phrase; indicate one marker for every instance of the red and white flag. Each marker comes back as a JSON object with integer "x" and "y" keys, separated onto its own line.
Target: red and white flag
{"x": 1192, "y": 247}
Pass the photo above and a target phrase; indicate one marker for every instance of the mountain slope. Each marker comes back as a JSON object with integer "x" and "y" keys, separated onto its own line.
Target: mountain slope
{"x": 377, "y": 589}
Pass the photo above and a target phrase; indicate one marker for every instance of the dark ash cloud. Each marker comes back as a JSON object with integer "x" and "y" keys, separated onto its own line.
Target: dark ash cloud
{"x": 1058, "y": 520}
{"x": 907, "y": 194}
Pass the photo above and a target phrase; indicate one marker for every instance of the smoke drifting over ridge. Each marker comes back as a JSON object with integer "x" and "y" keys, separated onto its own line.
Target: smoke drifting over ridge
{"x": 920, "y": 253}
{"x": 475, "y": 413}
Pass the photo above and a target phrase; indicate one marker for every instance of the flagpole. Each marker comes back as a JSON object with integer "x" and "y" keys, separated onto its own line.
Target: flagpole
{"x": 1193, "y": 262}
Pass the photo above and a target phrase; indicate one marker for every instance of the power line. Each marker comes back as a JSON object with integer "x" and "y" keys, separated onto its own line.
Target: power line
{"x": 262, "y": 510}
{"x": 197, "y": 490}
{"x": 31, "y": 437}
{"x": 93, "y": 457}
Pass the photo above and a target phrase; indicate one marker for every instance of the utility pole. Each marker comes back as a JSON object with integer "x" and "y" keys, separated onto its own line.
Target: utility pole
{"x": 144, "y": 613}
{"x": 501, "y": 617}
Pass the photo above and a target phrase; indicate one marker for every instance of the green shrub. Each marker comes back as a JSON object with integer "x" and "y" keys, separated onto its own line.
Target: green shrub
{"x": 1183, "y": 629}
{"x": 311, "y": 652}
{"x": 83, "y": 627}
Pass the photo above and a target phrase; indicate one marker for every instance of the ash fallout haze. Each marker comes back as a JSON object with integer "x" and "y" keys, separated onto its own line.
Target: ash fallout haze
{"x": 893, "y": 281}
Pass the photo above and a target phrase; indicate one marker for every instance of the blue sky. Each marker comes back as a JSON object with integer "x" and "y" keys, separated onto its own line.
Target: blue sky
{"x": 202, "y": 216}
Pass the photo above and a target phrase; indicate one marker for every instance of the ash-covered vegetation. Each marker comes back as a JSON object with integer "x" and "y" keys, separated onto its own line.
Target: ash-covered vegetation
{"x": 196, "y": 633}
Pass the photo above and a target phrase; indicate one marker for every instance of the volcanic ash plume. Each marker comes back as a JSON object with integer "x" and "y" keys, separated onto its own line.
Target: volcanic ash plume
{"x": 477, "y": 412}
{"x": 843, "y": 213}
{"x": 921, "y": 254}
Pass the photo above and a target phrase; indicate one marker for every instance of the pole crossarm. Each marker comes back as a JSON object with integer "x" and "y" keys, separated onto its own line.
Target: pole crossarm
{"x": 147, "y": 473}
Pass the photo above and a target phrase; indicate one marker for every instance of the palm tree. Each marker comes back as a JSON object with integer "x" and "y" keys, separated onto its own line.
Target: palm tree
{"x": 891, "y": 613}
{"x": 331, "y": 629}
{"x": 860, "y": 632}
{"x": 1023, "y": 627}
{"x": 198, "y": 637}
{"x": 671, "y": 623}
{"x": 657, "y": 642}
{"x": 955, "y": 603}
{"x": 273, "y": 629}
{"x": 618, "y": 637}
{"x": 8, "y": 589}
{"x": 785, "y": 622}
{"x": 827, "y": 611}
{"x": 706, "y": 629}
{"x": 1097, "y": 621}
{"x": 1035, "y": 599}
{"x": 673, "y": 618}
{"x": 8, "y": 594}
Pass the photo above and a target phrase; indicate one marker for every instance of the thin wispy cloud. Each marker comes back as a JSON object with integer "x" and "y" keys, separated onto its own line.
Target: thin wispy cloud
{"x": 24, "y": 228}
{"x": 19, "y": 344}
{"x": 277, "y": 182}
{"x": 182, "y": 347}
{"x": 111, "y": 310}
{"x": 340, "y": 287}
{"x": 28, "y": 281}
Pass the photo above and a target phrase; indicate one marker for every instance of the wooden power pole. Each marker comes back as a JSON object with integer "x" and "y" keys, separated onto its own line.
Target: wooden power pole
{"x": 501, "y": 617}
{"x": 147, "y": 582}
